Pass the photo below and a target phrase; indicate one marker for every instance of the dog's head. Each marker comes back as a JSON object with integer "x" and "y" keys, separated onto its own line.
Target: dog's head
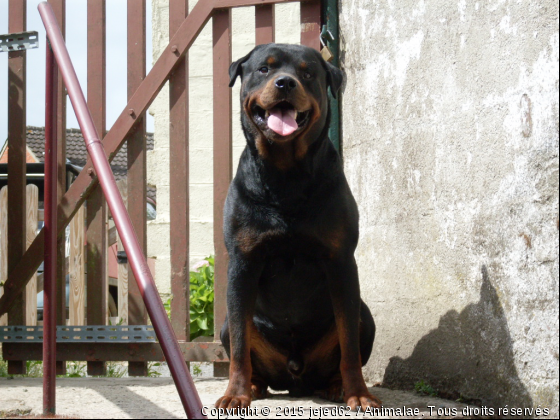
{"x": 284, "y": 95}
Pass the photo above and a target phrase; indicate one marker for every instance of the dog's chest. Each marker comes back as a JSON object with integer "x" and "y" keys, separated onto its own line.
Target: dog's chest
{"x": 292, "y": 289}
{"x": 289, "y": 240}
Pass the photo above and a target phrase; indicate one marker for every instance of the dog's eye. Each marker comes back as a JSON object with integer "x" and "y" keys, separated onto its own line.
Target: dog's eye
{"x": 307, "y": 75}
{"x": 263, "y": 70}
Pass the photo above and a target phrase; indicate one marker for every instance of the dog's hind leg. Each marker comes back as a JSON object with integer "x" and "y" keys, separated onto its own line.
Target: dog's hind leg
{"x": 367, "y": 333}
{"x": 259, "y": 389}
{"x": 334, "y": 392}
{"x": 323, "y": 360}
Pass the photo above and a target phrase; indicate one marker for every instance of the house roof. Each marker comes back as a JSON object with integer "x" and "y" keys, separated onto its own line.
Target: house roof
{"x": 76, "y": 151}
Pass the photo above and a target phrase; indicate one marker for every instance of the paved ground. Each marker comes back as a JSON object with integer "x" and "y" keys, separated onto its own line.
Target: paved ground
{"x": 157, "y": 398}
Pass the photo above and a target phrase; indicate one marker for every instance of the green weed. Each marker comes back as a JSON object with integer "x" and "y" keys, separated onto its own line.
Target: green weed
{"x": 76, "y": 370}
{"x": 196, "y": 369}
{"x": 202, "y": 299}
{"x": 167, "y": 307}
{"x": 34, "y": 369}
{"x": 152, "y": 372}
{"x": 115, "y": 370}
{"x": 425, "y": 389}
{"x": 3, "y": 367}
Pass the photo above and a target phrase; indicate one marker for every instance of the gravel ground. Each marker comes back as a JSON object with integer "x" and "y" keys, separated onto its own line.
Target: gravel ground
{"x": 157, "y": 398}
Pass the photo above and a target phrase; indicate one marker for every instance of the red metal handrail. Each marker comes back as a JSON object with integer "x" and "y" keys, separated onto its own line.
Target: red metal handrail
{"x": 181, "y": 376}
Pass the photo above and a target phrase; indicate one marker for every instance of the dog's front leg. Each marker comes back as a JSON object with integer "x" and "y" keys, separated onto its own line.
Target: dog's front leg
{"x": 243, "y": 276}
{"x": 344, "y": 289}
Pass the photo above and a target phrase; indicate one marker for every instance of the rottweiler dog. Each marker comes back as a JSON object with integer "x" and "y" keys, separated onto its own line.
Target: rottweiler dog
{"x": 295, "y": 319}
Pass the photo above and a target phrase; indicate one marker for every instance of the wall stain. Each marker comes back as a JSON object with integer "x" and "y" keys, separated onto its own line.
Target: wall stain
{"x": 527, "y": 239}
{"x": 526, "y": 118}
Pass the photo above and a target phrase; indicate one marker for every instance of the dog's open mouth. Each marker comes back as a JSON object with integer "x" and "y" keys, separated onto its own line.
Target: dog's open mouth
{"x": 283, "y": 118}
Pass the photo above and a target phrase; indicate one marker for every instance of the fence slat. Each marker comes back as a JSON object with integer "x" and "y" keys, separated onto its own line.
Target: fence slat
{"x": 137, "y": 168}
{"x": 122, "y": 298}
{"x": 221, "y": 32}
{"x": 76, "y": 270}
{"x": 179, "y": 182}
{"x": 16, "y": 162}
{"x": 311, "y": 24}
{"x": 265, "y": 27}
{"x": 32, "y": 206}
{"x": 59, "y": 9}
{"x": 3, "y": 245}
{"x": 97, "y": 284}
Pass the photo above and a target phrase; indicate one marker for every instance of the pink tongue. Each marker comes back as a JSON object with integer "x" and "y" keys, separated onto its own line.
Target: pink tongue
{"x": 282, "y": 121}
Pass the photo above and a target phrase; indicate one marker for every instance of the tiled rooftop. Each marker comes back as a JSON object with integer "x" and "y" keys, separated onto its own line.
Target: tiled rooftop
{"x": 76, "y": 151}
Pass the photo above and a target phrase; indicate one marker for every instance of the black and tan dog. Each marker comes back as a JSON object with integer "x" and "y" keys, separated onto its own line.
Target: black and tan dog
{"x": 295, "y": 319}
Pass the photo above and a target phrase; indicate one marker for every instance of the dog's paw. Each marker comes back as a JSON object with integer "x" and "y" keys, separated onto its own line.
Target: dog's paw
{"x": 233, "y": 401}
{"x": 363, "y": 401}
{"x": 334, "y": 392}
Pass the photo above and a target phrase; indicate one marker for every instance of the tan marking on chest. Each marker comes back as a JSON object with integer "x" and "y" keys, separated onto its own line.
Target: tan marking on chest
{"x": 249, "y": 238}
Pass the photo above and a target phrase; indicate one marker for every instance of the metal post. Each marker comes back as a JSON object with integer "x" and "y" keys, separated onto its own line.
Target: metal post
{"x": 49, "y": 311}
{"x": 181, "y": 376}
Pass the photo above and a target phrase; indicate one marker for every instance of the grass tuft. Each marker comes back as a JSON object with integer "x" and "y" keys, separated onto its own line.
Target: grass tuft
{"x": 424, "y": 388}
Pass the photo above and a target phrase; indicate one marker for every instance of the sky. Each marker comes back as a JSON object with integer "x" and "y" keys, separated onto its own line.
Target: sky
{"x": 76, "y": 40}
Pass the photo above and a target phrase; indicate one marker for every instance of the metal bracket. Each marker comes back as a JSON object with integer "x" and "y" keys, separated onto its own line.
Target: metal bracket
{"x": 81, "y": 334}
{"x": 19, "y": 41}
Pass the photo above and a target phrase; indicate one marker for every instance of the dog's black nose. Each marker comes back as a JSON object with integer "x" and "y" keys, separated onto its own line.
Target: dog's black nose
{"x": 285, "y": 83}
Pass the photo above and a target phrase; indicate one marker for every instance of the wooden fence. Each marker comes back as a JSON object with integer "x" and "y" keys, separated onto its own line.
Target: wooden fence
{"x": 75, "y": 240}
{"x": 24, "y": 256}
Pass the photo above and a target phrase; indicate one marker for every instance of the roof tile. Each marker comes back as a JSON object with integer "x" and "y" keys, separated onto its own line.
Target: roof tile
{"x": 76, "y": 151}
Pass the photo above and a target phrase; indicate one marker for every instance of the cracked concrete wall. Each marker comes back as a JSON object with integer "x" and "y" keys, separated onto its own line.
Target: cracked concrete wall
{"x": 450, "y": 140}
{"x": 200, "y": 129}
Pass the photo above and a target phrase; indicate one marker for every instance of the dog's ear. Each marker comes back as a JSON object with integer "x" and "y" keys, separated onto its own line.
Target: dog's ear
{"x": 335, "y": 77}
{"x": 236, "y": 68}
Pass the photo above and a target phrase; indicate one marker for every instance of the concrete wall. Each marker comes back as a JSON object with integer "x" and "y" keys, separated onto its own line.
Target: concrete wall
{"x": 200, "y": 130}
{"x": 450, "y": 139}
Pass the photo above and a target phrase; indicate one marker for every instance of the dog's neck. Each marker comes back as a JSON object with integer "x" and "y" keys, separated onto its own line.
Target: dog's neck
{"x": 282, "y": 156}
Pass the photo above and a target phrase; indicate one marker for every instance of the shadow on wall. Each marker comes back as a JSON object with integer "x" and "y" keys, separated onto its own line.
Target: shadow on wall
{"x": 469, "y": 355}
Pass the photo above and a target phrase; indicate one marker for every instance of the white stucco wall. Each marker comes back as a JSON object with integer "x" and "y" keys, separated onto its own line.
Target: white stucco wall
{"x": 450, "y": 143}
{"x": 200, "y": 130}
{"x": 450, "y": 140}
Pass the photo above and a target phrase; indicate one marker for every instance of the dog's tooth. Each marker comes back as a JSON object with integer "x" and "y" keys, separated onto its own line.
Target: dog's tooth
{"x": 267, "y": 114}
